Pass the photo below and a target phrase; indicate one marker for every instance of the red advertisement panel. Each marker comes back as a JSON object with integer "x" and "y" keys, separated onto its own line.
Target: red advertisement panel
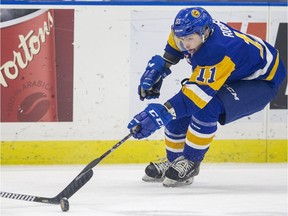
{"x": 28, "y": 70}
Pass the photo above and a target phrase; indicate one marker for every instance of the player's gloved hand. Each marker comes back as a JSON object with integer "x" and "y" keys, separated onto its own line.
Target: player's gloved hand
{"x": 151, "y": 119}
{"x": 151, "y": 80}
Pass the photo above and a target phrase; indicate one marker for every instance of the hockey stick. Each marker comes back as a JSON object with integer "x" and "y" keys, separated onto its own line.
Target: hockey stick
{"x": 72, "y": 188}
{"x": 79, "y": 181}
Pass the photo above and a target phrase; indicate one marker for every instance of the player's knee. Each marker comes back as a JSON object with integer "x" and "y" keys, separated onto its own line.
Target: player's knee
{"x": 178, "y": 126}
{"x": 212, "y": 111}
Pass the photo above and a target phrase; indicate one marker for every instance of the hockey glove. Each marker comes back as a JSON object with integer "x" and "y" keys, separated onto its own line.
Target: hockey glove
{"x": 151, "y": 119}
{"x": 151, "y": 80}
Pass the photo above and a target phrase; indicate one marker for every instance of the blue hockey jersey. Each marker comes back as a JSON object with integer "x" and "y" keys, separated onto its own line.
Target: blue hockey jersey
{"x": 228, "y": 55}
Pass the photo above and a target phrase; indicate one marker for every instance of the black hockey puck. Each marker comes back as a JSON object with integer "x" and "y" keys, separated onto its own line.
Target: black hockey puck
{"x": 64, "y": 203}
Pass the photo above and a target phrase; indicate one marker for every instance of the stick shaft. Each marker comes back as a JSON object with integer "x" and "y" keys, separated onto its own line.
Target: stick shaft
{"x": 78, "y": 182}
{"x": 98, "y": 160}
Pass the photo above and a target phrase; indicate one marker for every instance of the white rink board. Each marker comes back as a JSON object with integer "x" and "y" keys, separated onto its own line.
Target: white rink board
{"x": 112, "y": 46}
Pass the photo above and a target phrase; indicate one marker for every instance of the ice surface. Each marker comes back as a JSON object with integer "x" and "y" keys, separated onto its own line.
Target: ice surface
{"x": 117, "y": 190}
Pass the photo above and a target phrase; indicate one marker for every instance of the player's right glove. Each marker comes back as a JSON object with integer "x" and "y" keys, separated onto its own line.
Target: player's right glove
{"x": 151, "y": 80}
{"x": 149, "y": 120}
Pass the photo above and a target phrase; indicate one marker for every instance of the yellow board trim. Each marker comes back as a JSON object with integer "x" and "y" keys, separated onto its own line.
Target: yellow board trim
{"x": 134, "y": 151}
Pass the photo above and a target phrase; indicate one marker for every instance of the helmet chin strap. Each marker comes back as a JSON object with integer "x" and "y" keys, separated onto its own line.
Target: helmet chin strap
{"x": 203, "y": 38}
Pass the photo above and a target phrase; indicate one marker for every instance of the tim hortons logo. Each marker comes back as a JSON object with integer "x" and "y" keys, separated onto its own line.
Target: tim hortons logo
{"x": 30, "y": 45}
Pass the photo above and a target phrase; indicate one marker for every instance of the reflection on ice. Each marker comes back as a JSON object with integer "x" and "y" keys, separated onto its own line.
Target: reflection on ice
{"x": 117, "y": 190}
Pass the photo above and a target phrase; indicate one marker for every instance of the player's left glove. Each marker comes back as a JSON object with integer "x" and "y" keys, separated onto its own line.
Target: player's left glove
{"x": 151, "y": 119}
{"x": 151, "y": 80}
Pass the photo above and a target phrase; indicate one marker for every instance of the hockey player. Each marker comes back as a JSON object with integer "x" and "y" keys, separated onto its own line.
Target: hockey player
{"x": 233, "y": 75}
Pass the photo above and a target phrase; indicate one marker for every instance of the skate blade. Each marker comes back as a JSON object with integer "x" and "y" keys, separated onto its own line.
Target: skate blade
{"x": 147, "y": 178}
{"x": 172, "y": 183}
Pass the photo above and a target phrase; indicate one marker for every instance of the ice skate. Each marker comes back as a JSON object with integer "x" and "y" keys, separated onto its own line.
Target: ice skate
{"x": 181, "y": 172}
{"x": 155, "y": 172}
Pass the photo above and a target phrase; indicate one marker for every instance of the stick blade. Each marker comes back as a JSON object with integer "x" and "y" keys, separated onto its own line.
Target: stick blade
{"x": 75, "y": 185}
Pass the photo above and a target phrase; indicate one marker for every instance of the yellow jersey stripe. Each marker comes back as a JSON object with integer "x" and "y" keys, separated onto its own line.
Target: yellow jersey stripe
{"x": 274, "y": 69}
{"x": 200, "y": 147}
{"x": 198, "y": 140}
{"x": 174, "y": 145}
{"x": 197, "y": 100}
{"x": 222, "y": 71}
{"x": 198, "y": 91}
{"x": 269, "y": 59}
{"x": 171, "y": 41}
